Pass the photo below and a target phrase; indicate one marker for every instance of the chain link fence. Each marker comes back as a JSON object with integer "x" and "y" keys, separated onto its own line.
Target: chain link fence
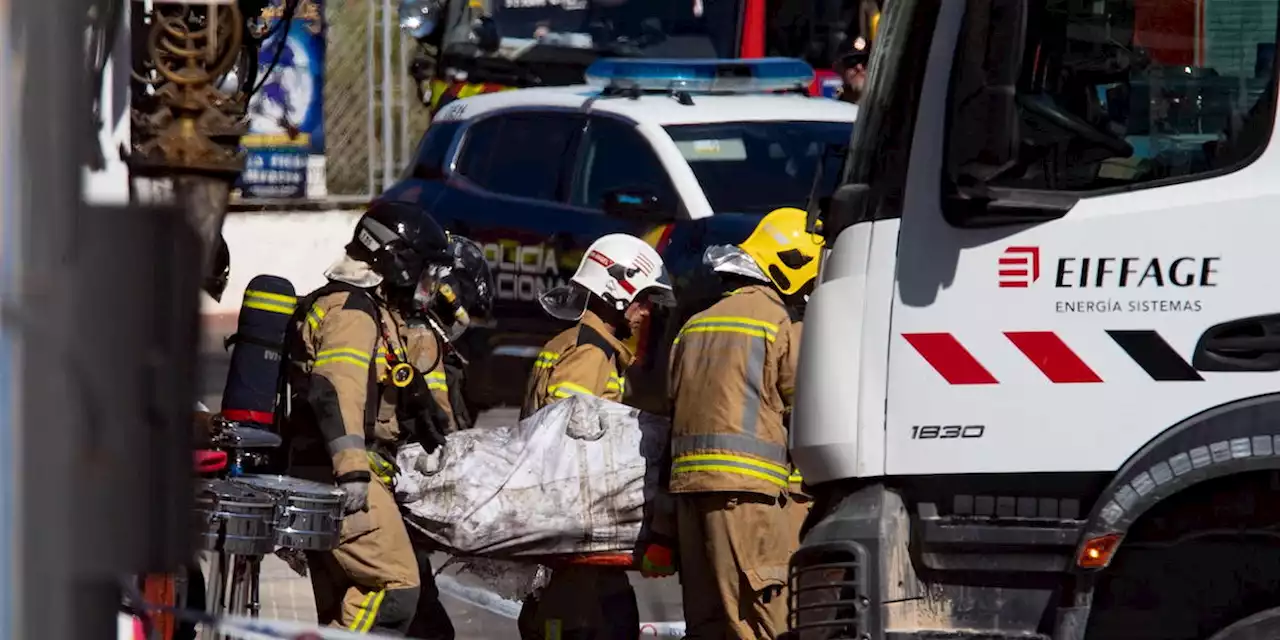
{"x": 373, "y": 115}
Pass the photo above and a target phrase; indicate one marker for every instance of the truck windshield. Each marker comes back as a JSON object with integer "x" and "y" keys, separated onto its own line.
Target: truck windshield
{"x": 648, "y": 28}
{"x": 756, "y": 167}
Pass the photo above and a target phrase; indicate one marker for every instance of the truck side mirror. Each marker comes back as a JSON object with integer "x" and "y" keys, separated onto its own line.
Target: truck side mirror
{"x": 635, "y": 204}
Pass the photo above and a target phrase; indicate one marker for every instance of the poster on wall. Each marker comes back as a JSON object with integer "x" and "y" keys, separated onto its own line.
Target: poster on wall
{"x": 284, "y": 148}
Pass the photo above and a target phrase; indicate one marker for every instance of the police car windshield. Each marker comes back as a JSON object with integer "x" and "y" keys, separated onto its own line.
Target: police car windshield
{"x": 649, "y": 28}
{"x": 756, "y": 167}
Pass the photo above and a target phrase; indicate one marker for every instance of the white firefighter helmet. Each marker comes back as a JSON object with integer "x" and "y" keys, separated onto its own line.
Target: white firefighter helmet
{"x": 618, "y": 269}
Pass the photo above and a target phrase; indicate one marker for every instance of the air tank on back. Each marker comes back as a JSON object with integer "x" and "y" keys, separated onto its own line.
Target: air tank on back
{"x": 254, "y": 377}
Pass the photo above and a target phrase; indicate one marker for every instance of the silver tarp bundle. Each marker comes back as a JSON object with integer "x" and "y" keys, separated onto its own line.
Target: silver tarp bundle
{"x": 580, "y": 476}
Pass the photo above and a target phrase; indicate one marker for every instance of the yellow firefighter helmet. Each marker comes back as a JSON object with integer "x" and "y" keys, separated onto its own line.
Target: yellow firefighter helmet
{"x": 784, "y": 250}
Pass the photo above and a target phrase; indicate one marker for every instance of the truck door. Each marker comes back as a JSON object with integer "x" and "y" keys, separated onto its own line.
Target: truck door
{"x": 1086, "y": 253}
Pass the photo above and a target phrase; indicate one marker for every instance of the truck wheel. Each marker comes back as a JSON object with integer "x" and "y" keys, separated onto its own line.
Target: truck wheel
{"x": 1264, "y": 625}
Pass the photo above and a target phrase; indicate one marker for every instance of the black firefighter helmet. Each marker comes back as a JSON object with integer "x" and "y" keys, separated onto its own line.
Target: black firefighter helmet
{"x": 215, "y": 282}
{"x": 400, "y": 240}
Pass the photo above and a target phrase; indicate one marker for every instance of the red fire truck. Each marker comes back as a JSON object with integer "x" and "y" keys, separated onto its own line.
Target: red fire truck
{"x": 479, "y": 46}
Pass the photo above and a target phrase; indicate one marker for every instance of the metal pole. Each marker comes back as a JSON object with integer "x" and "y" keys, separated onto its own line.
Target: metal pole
{"x": 406, "y": 145}
{"x": 371, "y": 136}
{"x": 11, "y": 260}
{"x": 388, "y": 95}
{"x": 43, "y": 210}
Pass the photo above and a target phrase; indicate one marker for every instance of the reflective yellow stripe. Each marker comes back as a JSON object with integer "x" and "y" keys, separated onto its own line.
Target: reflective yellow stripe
{"x": 546, "y": 360}
{"x": 399, "y": 351}
{"x": 271, "y": 297}
{"x": 381, "y": 468}
{"x": 363, "y": 611}
{"x": 731, "y": 464}
{"x": 437, "y": 381}
{"x": 566, "y": 389}
{"x": 553, "y": 629}
{"x": 795, "y": 477}
{"x": 349, "y": 356}
{"x": 616, "y": 383}
{"x": 273, "y": 307}
{"x": 314, "y": 316}
{"x": 372, "y": 615}
{"x": 731, "y": 324}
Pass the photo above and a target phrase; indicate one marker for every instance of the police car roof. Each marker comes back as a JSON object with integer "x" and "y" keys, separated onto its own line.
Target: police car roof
{"x": 657, "y": 108}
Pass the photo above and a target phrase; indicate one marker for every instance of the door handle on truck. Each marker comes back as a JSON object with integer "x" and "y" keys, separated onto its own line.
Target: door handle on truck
{"x": 1246, "y": 344}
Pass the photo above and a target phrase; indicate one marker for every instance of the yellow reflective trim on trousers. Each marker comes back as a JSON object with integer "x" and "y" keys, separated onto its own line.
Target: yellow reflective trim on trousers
{"x": 436, "y": 380}
{"x": 314, "y": 316}
{"x": 362, "y": 611}
{"x": 546, "y": 360}
{"x": 740, "y": 465}
{"x": 553, "y": 629}
{"x": 567, "y": 389}
{"x": 273, "y": 307}
{"x": 368, "y": 611}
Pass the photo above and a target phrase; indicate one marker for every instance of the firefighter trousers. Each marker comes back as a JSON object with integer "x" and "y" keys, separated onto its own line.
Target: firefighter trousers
{"x": 431, "y": 622}
{"x": 734, "y": 550}
{"x": 582, "y": 603}
{"x": 370, "y": 582}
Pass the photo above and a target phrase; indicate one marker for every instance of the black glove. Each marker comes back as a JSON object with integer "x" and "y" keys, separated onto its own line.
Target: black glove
{"x": 420, "y": 415}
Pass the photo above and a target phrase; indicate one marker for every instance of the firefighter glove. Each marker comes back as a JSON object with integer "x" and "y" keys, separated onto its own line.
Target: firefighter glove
{"x": 355, "y": 496}
{"x": 657, "y": 562}
{"x": 419, "y": 413}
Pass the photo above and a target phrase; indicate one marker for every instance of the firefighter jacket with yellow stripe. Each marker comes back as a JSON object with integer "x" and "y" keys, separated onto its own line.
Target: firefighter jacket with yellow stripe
{"x": 733, "y": 371}
{"x": 343, "y": 418}
{"x": 585, "y": 360}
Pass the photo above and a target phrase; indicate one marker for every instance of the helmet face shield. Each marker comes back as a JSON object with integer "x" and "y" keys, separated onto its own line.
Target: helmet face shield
{"x": 660, "y": 293}
{"x": 565, "y": 303}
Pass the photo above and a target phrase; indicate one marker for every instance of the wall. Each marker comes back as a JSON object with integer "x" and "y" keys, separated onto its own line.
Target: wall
{"x": 297, "y": 245}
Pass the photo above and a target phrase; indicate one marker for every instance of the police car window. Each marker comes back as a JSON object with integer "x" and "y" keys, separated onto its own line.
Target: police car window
{"x": 756, "y": 167}
{"x": 428, "y": 161}
{"x": 615, "y": 156}
{"x": 521, "y": 155}
{"x": 1117, "y": 93}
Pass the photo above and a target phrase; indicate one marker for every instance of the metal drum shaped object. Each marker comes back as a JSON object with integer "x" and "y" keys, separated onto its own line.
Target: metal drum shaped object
{"x": 236, "y": 519}
{"x": 309, "y": 514}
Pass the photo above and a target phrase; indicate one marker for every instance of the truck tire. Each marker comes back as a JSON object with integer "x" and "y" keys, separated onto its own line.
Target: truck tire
{"x": 1264, "y": 625}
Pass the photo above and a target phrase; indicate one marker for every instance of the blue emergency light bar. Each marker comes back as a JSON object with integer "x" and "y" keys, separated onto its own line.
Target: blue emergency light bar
{"x": 739, "y": 75}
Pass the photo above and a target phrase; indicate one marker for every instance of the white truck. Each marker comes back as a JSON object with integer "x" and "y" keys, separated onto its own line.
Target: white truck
{"x": 1039, "y": 376}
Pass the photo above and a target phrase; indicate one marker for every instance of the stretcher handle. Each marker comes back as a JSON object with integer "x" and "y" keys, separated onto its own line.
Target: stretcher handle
{"x": 625, "y": 560}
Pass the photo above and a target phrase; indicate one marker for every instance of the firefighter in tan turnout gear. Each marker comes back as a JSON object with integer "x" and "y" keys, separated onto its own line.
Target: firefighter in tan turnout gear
{"x": 359, "y": 391}
{"x": 733, "y": 370}
{"x": 619, "y": 281}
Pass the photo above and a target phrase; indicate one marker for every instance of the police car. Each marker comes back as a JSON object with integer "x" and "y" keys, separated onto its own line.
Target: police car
{"x": 685, "y": 153}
